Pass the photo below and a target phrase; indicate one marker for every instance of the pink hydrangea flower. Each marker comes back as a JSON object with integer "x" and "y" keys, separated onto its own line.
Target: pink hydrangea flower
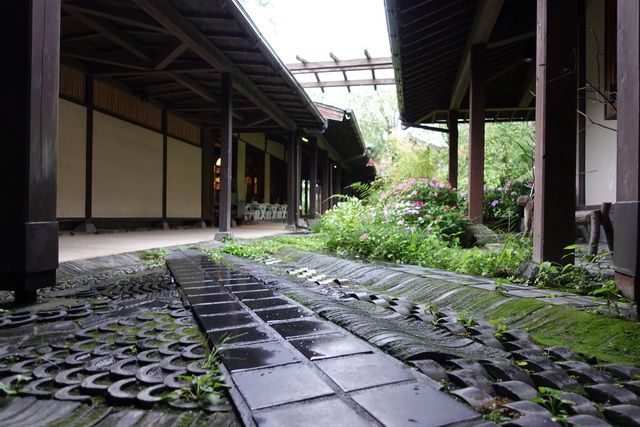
{"x": 363, "y": 236}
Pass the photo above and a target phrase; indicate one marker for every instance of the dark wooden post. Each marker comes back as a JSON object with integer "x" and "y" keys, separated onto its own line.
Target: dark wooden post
{"x": 87, "y": 226}
{"x": 337, "y": 176}
{"x": 30, "y": 40}
{"x": 313, "y": 178}
{"x": 453, "y": 149}
{"x": 291, "y": 180}
{"x": 298, "y": 183}
{"x": 477, "y": 105}
{"x": 330, "y": 188}
{"x": 165, "y": 163}
{"x": 325, "y": 180}
{"x": 627, "y": 208}
{"x": 226, "y": 141}
{"x": 556, "y": 103}
{"x": 206, "y": 172}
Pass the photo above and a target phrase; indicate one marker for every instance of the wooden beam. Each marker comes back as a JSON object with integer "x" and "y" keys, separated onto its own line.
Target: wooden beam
{"x": 111, "y": 58}
{"x": 226, "y": 170}
{"x": 171, "y": 56}
{"x": 341, "y": 65}
{"x": 453, "y": 148}
{"x": 201, "y": 90}
{"x": 129, "y": 17}
{"x": 477, "y": 103}
{"x": 511, "y": 40}
{"x": 556, "y": 103}
{"x": 341, "y": 83}
{"x": 483, "y": 23}
{"x": 113, "y": 33}
{"x": 171, "y": 19}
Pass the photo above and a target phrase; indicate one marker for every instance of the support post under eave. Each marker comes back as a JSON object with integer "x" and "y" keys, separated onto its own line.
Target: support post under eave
{"x": 291, "y": 181}
{"x": 337, "y": 181}
{"x": 30, "y": 40}
{"x": 453, "y": 148}
{"x": 165, "y": 163}
{"x": 206, "y": 171}
{"x": 313, "y": 178}
{"x": 325, "y": 180}
{"x": 87, "y": 226}
{"x": 556, "y": 103}
{"x": 627, "y": 208}
{"x": 226, "y": 142}
{"x": 477, "y": 106}
{"x": 298, "y": 183}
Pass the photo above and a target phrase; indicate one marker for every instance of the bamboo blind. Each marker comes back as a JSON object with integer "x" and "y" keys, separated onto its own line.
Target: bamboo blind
{"x": 120, "y": 103}
{"x": 72, "y": 83}
{"x": 182, "y": 129}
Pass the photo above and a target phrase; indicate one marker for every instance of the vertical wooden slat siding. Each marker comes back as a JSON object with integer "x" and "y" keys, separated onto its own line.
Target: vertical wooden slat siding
{"x": 183, "y": 129}
{"x": 72, "y": 83}
{"x": 116, "y": 101}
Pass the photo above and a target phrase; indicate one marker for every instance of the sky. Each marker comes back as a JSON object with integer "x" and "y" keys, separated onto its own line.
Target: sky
{"x": 314, "y": 28}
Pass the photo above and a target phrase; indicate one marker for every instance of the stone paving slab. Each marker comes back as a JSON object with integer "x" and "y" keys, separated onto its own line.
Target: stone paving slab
{"x": 289, "y": 368}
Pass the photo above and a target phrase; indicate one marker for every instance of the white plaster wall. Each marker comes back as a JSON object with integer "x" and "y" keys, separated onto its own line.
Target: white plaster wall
{"x": 255, "y": 139}
{"x": 72, "y": 131}
{"x": 127, "y": 170}
{"x": 276, "y": 149}
{"x": 184, "y": 180}
{"x": 600, "y": 154}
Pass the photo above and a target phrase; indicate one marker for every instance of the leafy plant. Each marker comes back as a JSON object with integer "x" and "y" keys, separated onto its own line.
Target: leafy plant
{"x": 609, "y": 293}
{"x": 154, "y": 257}
{"x": 551, "y": 399}
{"x": 500, "y": 326}
{"x": 466, "y": 319}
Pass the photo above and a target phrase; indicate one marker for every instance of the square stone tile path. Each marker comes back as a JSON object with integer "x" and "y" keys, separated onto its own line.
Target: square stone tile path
{"x": 289, "y": 367}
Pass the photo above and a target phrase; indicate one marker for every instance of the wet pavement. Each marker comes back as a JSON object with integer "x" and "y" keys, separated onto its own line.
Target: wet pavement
{"x": 287, "y": 366}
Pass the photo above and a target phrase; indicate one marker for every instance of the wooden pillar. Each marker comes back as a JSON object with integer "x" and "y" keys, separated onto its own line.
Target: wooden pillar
{"x": 298, "y": 183}
{"x": 330, "y": 187}
{"x": 324, "y": 166}
{"x": 30, "y": 40}
{"x": 291, "y": 180}
{"x": 165, "y": 162}
{"x": 87, "y": 226}
{"x": 337, "y": 185}
{"x": 627, "y": 207}
{"x": 477, "y": 105}
{"x": 313, "y": 178}
{"x": 226, "y": 142}
{"x": 453, "y": 148}
{"x": 556, "y": 103}
{"x": 206, "y": 172}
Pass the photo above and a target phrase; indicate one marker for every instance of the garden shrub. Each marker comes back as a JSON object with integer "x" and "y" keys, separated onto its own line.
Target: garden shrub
{"x": 424, "y": 204}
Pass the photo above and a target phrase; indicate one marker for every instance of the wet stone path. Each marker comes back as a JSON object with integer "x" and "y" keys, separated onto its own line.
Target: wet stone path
{"x": 286, "y": 366}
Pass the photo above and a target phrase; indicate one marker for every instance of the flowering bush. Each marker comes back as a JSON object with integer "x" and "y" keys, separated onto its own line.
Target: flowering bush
{"x": 424, "y": 204}
{"x": 502, "y": 201}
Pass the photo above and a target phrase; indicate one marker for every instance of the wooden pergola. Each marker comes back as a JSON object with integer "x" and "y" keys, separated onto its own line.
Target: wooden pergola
{"x": 483, "y": 60}
{"x": 368, "y": 63}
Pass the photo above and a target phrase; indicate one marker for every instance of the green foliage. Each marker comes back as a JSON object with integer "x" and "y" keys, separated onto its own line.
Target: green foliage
{"x": 500, "y": 207}
{"x": 154, "y": 257}
{"x": 425, "y": 204}
{"x": 466, "y": 319}
{"x": 500, "y": 326}
{"x": 350, "y": 228}
{"x": 579, "y": 279}
{"x": 509, "y": 151}
{"x": 551, "y": 399}
{"x": 409, "y": 158}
